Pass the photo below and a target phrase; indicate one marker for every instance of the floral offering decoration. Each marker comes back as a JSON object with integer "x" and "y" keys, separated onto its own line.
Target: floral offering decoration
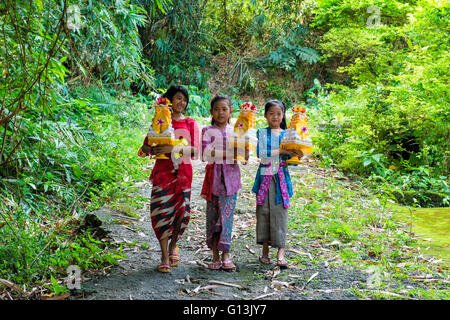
{"x": 161, "y": 131}
{"x": 244, "y": 133}
{"x": 246, "y": 119}
{"x": 297, "y": 135}
{"x": 162, "y": 118}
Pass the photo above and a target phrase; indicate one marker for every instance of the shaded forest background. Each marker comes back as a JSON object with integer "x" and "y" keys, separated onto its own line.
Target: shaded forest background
{"x": 77, "y": 78}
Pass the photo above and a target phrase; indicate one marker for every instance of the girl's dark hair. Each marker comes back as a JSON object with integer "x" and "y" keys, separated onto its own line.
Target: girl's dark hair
{"x": 217, "y": 99}
{"x": 270, "y": 104}
{"x": 172, "y": 91}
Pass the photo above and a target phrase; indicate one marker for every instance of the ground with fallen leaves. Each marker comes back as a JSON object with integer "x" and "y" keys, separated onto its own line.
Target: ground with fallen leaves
{"x": 316, "y": 270}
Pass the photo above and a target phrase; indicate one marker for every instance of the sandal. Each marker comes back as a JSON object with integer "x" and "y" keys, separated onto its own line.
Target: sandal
{"x": 228, "y": 265}
{"x": 164, "y": 268}
{"x": 265, "y": 260}
{"x": 174, "y": 258}
{"x": 282, "y": 263}
{"x": 216, "y": 265}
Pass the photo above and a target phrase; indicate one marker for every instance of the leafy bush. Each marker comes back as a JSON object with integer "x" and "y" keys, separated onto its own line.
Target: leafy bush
{"x": 199, "y": 102}
{"x": 177, "y": 42}
{"x": 104, "y": 43}
{"x": 75, "y": 165}
{"x": 392, "y": 124}
{"x": 361, "y": 135}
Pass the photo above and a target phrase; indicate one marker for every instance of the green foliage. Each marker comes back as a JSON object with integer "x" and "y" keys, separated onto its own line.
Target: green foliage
{"x": 78, "y": 167}
{"x": 199, "y": 102}
{"x": 104, "y": 43}
{"x": 32, "y": 76}
{"x": 63, "y": 144}
{"x": 56, "y": 287}
{"x": 362, "y": 53}
{"x": 262, "y": 36}
{"x": 240, "y": 73}
{"x": 330, "y": 14}
{"x": 35, "y": 64}
{"x": 176, "y": 42}
{"x": 392, "y": 124}
{"x": 362, "y": 134}
{"x": 290, "y": 52}
{"x": 350, "y": 226}
{"x": 372, "y": 160}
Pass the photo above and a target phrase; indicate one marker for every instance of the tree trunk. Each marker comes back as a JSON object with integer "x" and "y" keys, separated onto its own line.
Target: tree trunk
{"x": 225, "y": 14}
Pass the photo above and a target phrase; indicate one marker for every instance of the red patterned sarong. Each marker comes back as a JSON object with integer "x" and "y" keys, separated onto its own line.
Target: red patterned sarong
{"x": 171, "y": 191}
{"x": 167, "y": 207}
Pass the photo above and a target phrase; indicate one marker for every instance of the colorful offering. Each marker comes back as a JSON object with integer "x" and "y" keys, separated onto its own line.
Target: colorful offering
{"x": 161, "y": 131}
{"x": 296, "y": 136}
{"x": 244, "y": 132}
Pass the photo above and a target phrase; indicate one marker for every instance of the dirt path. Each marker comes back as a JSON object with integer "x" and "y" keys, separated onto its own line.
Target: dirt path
{"x": 136, "y": 277}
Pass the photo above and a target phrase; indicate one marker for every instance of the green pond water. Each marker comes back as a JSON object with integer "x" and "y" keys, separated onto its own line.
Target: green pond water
{"x": 431, "y": 226}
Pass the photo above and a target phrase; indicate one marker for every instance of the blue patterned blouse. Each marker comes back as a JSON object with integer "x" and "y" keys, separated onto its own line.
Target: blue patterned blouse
{"x": 267, "y": 141}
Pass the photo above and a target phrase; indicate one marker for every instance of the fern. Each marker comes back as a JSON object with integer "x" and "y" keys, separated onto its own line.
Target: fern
{"x": 308, "y": 55}
{"x": 289, "y": 57}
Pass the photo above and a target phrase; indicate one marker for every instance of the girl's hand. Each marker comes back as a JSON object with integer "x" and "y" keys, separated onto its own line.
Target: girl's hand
{"x": 237, "y": 151}
{"x": 247, "y": 154}
{"x": 184, "y": 150}
{"x": 292, "y": 152}
{"x": 162, "y": 149}
{"x": 285, "y": 152}
{"x": 146, "y": 149}
{"x": 178, "y": 149}
{"x": 298, "y": 153}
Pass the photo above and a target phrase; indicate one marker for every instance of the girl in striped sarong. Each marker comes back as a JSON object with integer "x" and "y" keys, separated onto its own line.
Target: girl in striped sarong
{"x": 171, "y": 191}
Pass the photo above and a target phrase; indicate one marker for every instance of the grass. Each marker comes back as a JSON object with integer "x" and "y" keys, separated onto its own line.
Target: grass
{"x": 431, "y": 226}
{"x": 40, "y": 211}
{"x": 343, "y": 222}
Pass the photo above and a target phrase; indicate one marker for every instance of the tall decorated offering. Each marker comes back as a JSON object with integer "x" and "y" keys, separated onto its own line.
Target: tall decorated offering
{"x": 296, "y": 136}
{"x": 244, "y": 132}
{"x": 161, "y": 131}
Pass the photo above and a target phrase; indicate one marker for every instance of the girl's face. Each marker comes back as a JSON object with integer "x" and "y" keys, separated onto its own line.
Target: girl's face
{"x": 179, "y": 102}
{"x": 221, "y": 112}
{"x": 274, "y": 116}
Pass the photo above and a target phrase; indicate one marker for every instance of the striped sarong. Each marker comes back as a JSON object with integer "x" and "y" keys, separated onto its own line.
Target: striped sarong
{"x": 167, "y": 208}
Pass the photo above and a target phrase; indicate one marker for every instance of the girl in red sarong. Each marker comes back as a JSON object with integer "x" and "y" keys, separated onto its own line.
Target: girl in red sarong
{"x": 171, "y": 190}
